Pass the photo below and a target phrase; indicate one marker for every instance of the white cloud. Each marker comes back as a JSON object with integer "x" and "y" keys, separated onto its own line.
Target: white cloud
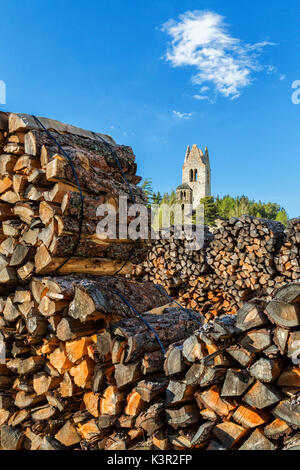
{"x": 271, "y": 69}
{"x": 201, "y": 97}
{"x": 201, "y": 39}
{"x": 180, "y": 115}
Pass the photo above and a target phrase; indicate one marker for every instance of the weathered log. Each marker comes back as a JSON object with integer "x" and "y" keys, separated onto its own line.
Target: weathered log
{"x": 261, "y": 396}
{"x": 229, "y": 433}
{"x": 283, "y": 314}
{"x": 68, "y": 435}
{"x": 236, "y": 383}
{"x": 11, "y": 438}
{"x": 257, "y": 441}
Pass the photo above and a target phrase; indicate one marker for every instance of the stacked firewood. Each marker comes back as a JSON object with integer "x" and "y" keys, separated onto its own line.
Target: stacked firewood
{"x": 208, "y": 296}
{"x": 40, "y": 203}
{"x": 242, "y": 254}
{"x": 74, "y": 347}
{"x": 175, "y": 259}
{"x": 236, "y": 263}
{"x": 247, "y": 390}
{"x": 228, "y": 384}
{"x": 288, "y": 259}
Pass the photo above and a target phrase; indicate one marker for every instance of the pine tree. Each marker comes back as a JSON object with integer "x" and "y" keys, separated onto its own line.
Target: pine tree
{"x": 156, "y": 198}
{"x": 146, "y": 186}
{"x": 210, "y": 210}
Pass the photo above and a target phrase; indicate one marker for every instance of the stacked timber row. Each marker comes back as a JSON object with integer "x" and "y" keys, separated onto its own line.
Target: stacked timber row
{"x": 242, "y": 254}
{"x": 243, "y": 259}
{"x": 74, "y": 353}
{"x": 173, "y": 259}
{"x": 208, "y": 296}
{"x": 288, "y": 259}
{"x": 248, "y": 396}
{"x": 40, "y": 202}
{"x": 237, "y": 262}
{"x": 228, "y": 384}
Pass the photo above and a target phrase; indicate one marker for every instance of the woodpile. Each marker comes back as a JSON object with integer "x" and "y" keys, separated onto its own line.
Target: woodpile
{"x": 242, "y": 255}
{"x": 243, "y": 258}
{"x": 40, "y": 202}
{"x": 247, "y": 390}
{"x": 93, "y": 360}
{"x": 50, "y": 364}
{"x": 288, "y": 259}
{"x": 171, "y": 262}
{"x": 232, "y": 383}
{"x": 208, "y": 296}
{"x": 82, "y": 370}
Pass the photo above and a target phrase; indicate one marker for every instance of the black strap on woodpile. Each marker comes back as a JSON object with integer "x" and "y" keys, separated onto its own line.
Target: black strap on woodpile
{"x": 115, "y": 291}
{"x": 115, "y": 156}
{"x": 81, "y": 214}
{"x": 172, "y": 300}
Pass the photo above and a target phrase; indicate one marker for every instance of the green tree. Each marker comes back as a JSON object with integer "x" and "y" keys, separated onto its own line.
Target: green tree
{"x": 282, "y": 217}
{"x": 228, "y": 206}
{"x": 156, "y": 198}
{"x": 225, "y": 206}
{"x": 146, "y": 186}
{"x": 210, "y": 210}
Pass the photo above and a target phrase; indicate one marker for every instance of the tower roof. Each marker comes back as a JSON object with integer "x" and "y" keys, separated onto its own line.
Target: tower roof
{"x": 196, "y": 154}
{"x": 184, "y": 186}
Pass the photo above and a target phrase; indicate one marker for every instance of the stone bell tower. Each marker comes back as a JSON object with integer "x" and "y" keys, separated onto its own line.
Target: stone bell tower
{"x": 195, "y": 175}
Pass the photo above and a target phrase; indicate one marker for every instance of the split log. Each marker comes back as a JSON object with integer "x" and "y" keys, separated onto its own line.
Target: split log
{"x": 257, "y": 441}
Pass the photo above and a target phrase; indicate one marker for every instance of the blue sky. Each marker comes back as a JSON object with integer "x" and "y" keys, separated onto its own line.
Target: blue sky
{"x": 163, "y": 74}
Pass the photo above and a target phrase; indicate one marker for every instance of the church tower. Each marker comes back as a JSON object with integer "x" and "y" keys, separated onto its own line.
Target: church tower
{"x": 195, "y": 176}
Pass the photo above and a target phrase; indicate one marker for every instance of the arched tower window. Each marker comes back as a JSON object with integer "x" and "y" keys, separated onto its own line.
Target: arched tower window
{"x": 195, "y": 175}
{"x": 191, "y": 175}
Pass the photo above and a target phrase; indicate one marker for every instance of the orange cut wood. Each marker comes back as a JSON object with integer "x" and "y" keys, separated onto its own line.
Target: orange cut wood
{"x": 111, "y": 402}
{"x": 250, "y": 417}
{"x": 89, "y": 430}
{"x": 78, "y": 348}
{"x": 211, "y": 399}
{"x": 91, "y": 401}
{"x": 59, "y": 359}
{"x": 67, "y": 435}
{"x": 135, "y": 404}
{"x": 83, "y": 372}
{"x": 229, "y": 433}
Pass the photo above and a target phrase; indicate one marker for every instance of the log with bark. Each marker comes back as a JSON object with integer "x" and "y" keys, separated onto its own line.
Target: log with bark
{"x": 231, "y": 383}
{"x": 40, "y": 202}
